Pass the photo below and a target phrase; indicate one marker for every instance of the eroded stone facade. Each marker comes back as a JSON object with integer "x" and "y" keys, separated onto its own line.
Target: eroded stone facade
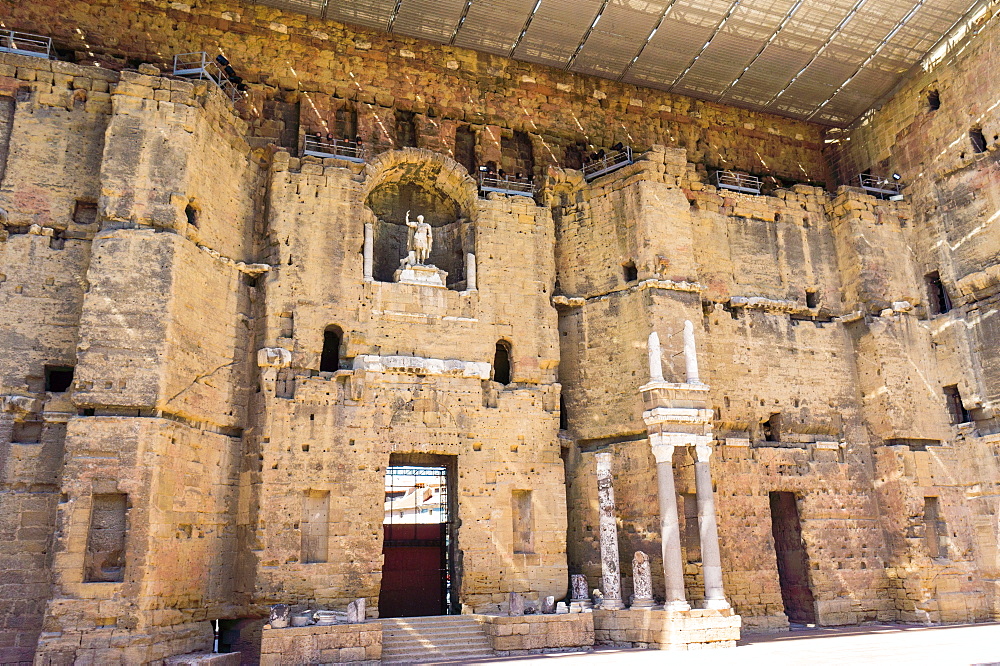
{"x": 179, "y": 256}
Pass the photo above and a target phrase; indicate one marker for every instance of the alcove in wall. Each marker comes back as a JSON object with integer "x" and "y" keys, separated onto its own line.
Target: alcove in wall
{"x": 417, "y": 187}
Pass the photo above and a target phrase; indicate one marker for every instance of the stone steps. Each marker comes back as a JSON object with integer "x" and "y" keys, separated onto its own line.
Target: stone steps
{"x": 437, "y": 638}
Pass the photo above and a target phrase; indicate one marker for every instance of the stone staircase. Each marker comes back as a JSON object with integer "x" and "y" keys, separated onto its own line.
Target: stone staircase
{"x": 407, "y": 640}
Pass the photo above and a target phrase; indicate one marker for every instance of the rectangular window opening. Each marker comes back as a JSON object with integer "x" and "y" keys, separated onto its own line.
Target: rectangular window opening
{"x": 58, "y": 378}
{"x": 85, "y": 212}
{"x": 771, "y": 428}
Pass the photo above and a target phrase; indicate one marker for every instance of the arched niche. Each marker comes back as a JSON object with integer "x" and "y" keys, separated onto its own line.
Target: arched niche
{"x": 423, "y": 183}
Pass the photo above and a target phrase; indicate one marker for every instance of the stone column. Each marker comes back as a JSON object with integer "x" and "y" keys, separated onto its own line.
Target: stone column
{"x": 711, "y": 561}
{"x": 655, "y": 365}
{"x": 611, "y": 578}
{"x": 690, "y": 354}
{"x": 642, "y": 582}
{"x": 369, "y": 251}
{"x": 670, "y": 533}
{"x": 470, "y": 271}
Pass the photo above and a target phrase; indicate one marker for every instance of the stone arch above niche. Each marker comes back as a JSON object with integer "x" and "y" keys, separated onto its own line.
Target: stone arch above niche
{"x": 428, "y": 184}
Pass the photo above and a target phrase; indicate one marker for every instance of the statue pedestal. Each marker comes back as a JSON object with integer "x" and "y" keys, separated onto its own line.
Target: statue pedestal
{"x": 426, "y": 275}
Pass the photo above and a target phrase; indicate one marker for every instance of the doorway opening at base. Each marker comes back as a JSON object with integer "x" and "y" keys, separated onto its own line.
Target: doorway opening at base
{"x": 419, "y": 525}
{"x": 793, "y": 562}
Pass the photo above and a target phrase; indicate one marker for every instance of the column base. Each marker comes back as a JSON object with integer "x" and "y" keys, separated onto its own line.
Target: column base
{"x": 643, "y": 604}
{"x": 580, "y": 604}
{"x": 715, "y": 604}
{"x": 677, "y": 606}
{"x": 612, "y": 604}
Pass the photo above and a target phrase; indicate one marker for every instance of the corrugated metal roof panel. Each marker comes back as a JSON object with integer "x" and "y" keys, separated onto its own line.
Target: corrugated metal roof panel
{"x": 369, "y": 13}
{"x": 433, "y": 20}
{"x": 838, "y": 35}
{"x": 557, "y": 28}
{"x": 311, "y": 7}
{"x": 493, "y": 25}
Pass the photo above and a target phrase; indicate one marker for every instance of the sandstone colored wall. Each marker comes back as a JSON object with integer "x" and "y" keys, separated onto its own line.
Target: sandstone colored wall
{"x": 340, "y": 644}
{"x": 346, "y": 425}
{"x": 811, "y": 311}
{"x": 846, "y": 374}
{"x": 52, "y": 155}
{"x": 303, "y": 60}
{"x": 954, "y": 194}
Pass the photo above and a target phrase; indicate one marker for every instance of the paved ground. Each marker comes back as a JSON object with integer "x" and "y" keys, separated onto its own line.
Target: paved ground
{"x": 963, "y": 645}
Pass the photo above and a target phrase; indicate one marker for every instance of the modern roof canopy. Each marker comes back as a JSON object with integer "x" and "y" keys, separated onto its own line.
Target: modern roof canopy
{"x": 827, "y": 61}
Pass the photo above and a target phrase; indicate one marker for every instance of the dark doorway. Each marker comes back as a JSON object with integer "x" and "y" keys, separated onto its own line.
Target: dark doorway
{"x": 501, "y": 363}
{"x": 418, "y": 572}
{"x": 465, "y": 148}
{"x": 329, "y": 360}
{"x": 793, "y": 562}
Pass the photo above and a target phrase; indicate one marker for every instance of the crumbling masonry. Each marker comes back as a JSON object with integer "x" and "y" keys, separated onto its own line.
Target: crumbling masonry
{"x": 177, "y": 447}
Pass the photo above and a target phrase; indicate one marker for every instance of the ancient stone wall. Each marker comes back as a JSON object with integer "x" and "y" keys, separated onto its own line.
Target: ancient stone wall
{"x": 170, "y": 250}
{"x": 400, "y": 398}
{"x": 53, "y": 140}
{"x": 295, "y": 59}
{"x": 925, "y": 134}
{"x": 806, "y": 313}
{"x": 149, "y": 279}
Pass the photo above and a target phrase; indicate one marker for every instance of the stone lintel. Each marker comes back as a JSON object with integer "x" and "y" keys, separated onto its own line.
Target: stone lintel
{"x": 417, "y": 365}
{"x": 686, "y": 415}
{"x": 662, "y": 441}
{"x": 674, "y": 386}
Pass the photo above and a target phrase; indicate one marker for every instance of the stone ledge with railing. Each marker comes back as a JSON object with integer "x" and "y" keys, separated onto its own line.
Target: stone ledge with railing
{"x": 505, "y": 185}
{"x": 342, "y": 149}
{"x": 603, "y": 165}
{"x": 735, "y": 181}
{"x": 26, "y": 44}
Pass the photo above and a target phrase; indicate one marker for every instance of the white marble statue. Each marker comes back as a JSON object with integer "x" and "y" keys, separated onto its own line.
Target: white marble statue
{"x": 419, "y": 241}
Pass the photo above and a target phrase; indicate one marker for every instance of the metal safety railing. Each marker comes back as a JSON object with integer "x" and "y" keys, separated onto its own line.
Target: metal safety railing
{"x": 738, "y": 182}
{"x": 879, "y": 186}
{"x": 25, "y": 43}
{"x": 489, "y": 182}
{"x": 607, "y": 164}
{"x": 339, "y": 148}
{"x": 200, "y": 67}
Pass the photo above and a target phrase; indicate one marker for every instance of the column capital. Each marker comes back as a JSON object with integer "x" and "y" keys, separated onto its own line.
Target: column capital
{"x": 664, "y": 453}
{"x": 703, "y": 450}
{"x": 603, "y": 462}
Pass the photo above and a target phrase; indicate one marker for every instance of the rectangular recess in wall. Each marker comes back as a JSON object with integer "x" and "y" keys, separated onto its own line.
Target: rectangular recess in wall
{"x": 105, "y": 557}
{"x": 523, "y": 522}
{"x": 957, "y": 410}
{"x": 27, "y": 432}
{"x": 935, "y": 529}
{"x": 691, "y": 536}
{"x": 315, "y": 526}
